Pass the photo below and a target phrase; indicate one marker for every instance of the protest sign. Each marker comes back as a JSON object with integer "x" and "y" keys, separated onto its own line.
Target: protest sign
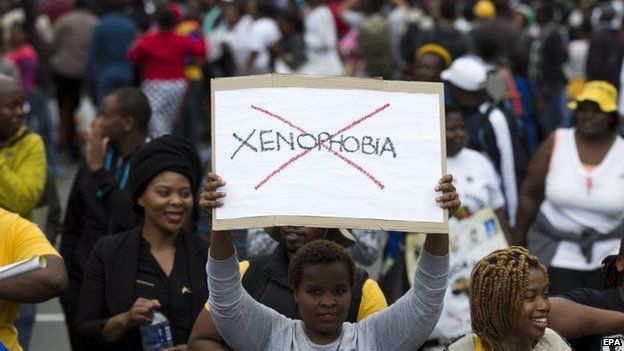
{"x": 328, "y": 152}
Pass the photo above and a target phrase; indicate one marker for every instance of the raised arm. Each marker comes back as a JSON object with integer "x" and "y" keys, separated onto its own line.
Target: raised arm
{"x": 116, "y": 200}
{"x": 573, "y": 320}
{"x": 532, "y": 191}
{"x": 408, "y": 322}
{"x": 438, "y": 244}
{"x": 244, "y": 323}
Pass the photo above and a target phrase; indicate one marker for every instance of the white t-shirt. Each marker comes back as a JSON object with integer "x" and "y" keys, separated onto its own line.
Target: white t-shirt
{"x": 264, "y": 33}
{"x": 476, "y": 180}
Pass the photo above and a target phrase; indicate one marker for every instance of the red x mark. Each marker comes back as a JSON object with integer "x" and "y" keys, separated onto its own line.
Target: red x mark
{"x": 303, "y": 153}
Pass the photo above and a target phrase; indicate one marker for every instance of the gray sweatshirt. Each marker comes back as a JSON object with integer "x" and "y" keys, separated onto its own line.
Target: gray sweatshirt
{"x": 245, "y": 324}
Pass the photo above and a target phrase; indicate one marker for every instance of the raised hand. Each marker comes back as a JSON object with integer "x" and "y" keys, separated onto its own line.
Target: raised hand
{"x": 449, "y": 199}
{"x": 96, "y": 147}
{"x": 209, "y": 197}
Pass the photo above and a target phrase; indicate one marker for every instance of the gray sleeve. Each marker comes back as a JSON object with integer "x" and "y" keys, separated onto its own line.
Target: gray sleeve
{"x": 408, "y": 322}
{"x": 243, "y": 323}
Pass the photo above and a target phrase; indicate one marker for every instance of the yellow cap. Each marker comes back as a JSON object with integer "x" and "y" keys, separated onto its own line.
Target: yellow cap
{"x": 436, "y": 50}
{"x": 484, "y": 10}
{"x": 600, "y": 92}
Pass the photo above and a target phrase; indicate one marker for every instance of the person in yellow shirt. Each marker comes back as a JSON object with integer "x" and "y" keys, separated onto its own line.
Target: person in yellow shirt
{"x": 21, "y": 240}
{"x": 266, "y": 280}
{"x": 22, "y": 170}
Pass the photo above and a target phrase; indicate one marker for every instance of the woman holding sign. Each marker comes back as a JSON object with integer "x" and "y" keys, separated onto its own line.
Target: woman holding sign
{"x": 321, "y": 274}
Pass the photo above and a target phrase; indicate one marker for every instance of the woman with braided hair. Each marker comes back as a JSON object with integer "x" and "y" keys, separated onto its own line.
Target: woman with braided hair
{"x": 509, "y": 305}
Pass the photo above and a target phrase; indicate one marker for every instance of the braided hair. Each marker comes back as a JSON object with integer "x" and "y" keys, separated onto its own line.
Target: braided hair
{"x": 498, "y": 284}
{"x": 612, "y": 278}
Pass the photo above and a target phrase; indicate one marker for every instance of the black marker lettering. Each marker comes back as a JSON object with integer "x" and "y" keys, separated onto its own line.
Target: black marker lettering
{"x": 265, "y": 142}
{"x": 244, "y": 142}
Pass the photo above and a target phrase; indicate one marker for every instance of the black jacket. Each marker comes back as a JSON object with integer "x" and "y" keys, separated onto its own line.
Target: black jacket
{"x": 96, "y": 207}
{"x": 109, "y": 280}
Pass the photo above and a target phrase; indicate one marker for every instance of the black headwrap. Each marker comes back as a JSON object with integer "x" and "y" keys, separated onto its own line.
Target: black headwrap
{"x": 167, "y": 153}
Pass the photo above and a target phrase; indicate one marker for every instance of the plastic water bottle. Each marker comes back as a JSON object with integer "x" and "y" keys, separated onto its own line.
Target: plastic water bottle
{"x": 157, "y": 335}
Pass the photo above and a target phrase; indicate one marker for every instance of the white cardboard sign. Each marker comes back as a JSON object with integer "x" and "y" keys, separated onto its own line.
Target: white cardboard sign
{"x": 327, "y": 152}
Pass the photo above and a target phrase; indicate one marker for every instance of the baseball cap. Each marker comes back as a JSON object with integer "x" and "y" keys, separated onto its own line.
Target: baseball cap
{"x": 466, "y": 73}
{"x": 600, "y": 92}
{"x": 484, "y": 10}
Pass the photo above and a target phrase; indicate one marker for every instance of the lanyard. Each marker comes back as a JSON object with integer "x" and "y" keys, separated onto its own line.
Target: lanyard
{"x": 122, "y": 173}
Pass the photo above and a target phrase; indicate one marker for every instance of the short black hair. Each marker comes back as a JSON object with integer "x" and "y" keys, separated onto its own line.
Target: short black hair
{"x": 291, "y": 18}
{"x": 451, "y": 108}
{"x": 448, "y": 9}
{"x": 266, "y": 8}
{"x": 487, "y": 45}
{"x": 318, "y": 252}
{"x": 166, "y": 19}
{"x": 132, "y": 102}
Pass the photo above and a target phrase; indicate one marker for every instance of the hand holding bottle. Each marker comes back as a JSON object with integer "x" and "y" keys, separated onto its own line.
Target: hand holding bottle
{"x": 141, "y": 312}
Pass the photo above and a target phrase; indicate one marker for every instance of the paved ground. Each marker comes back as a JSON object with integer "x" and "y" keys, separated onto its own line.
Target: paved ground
{"x": 50, "y": 333}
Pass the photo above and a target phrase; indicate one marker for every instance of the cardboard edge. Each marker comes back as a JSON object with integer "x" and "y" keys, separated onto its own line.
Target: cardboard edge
{"x": 331, "y": 222}
{"x": 323, "y": 82}
{"x": 443, "y": 139}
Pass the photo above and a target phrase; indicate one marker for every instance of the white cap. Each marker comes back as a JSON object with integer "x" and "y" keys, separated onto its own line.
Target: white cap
{"x": 466, "y": 73}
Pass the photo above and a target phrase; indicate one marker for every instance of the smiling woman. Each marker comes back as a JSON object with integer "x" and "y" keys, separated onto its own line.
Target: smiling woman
{"x": 157, "y": 266}
{"x": 509, "y": 305}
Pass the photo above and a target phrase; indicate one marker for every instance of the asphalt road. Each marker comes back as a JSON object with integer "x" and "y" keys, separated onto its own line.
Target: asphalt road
{"x": 50, "y": 333}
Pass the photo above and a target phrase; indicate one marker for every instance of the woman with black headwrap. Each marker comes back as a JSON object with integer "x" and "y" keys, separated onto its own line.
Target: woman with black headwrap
{"x": 157, "y": 266}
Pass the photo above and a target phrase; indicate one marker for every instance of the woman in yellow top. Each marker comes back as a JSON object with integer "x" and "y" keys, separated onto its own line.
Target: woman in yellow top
{"x": 509, "y": 305}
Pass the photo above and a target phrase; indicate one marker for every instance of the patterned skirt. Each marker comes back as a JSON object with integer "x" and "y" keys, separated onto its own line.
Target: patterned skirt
{"x": 165, "y": 98}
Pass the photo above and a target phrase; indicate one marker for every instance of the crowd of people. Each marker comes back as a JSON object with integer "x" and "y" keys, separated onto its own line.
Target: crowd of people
{"x": 122, "y": 89}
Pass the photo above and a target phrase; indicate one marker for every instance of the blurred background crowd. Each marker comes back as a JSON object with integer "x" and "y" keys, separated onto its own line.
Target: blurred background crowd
{"x": 514, "y": 73}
